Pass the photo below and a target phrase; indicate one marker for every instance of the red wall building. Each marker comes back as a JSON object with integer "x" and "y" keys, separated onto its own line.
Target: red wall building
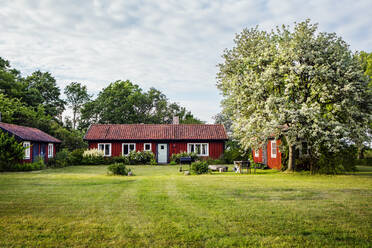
{"x": 36, "y": 142}
{"x": 269, "y": 154}
{"x": 162, "y": 139}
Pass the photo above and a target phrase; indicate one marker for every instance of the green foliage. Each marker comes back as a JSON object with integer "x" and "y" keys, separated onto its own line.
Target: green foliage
{"x": 118, "y": 169}
{"x": 299, "y": 83}
{"x": 200, "y": 167}
{"x": 62, "y": 158}
{"x": 173, "y": 163}
{"x": 11, "y": 151}
{"x": 234, "y": 152}
{"x": 125, "y": 102}
{"x": 336, "y": 162}
{"x": 141, "y": 157}
{"x": 77, "y": 96}
{"x": 37, "y": 165}
{"x": 93, "y": 157}
{"x": 48, "y": 93}
{"x": 176, "y": 156}
{"x": 76, "y": 157}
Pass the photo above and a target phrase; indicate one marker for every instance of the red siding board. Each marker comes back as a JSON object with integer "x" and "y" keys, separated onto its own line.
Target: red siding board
{"x": 216, "y": 148}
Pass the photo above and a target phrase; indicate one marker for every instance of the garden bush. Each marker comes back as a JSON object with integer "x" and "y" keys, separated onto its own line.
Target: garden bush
{"x": 76, "y": 157}
{"x": 118, "y": 169}
{"x": 37, "y": 165}
{"x": 11, "y": 151}
{"x": 61, "y": 159}
{"x": 200, "y": 167}
{"x": 93, "y": 157}
{"x": 140, "y": 157}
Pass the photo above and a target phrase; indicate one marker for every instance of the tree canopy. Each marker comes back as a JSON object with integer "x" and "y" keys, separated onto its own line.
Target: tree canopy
{"x": 302, "y": 85}
{"x": 77, "y": 95}
{"x": 125, "y": 102}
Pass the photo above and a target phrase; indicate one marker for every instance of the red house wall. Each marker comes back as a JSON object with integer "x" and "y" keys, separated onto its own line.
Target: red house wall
{"x": 259, "y": 158}
{"x": 216, "y": 148}
{"x": 274, "y": 163}
{"x": 46, "y": 151}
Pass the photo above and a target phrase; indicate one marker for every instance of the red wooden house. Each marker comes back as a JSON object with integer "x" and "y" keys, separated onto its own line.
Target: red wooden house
{"x": 36, "y": 142}
{"x": 162, "y": 139}
{"x": 269, "y": 154}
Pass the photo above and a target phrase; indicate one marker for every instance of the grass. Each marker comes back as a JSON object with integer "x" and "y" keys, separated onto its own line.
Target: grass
{"x": 159, "y": 207}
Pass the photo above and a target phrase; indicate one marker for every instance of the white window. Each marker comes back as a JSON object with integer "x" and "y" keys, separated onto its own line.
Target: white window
{"x": 257, "y": 153}
{"x": 50, "y": 150}
{"x": 128, "y": 147}
{"x": 106, "y": 148}
{"x": 273, "y": 148}
{"x": 27, "y": 145}
{"x": 147, "y": 147}
{"x": 201, "y": 149}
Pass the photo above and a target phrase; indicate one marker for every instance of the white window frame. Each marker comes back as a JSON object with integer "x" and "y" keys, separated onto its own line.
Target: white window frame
{"x": 50, "y": 150}
{"x": 257, "y": 153}
{"x": 273, "y": 144}
{"x": 144, "y": 147}
{"x": 201, "y": 145}
{"x": 104, "y": 147}
{"x": 27, "y": 145}
{"x": 128, "y": 144}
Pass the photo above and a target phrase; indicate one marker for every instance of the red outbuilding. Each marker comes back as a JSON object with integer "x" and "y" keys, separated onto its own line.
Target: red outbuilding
{"x": 36, "y": 142}
{"x": 269, "y": 154}
{"x": 163, "y": 140}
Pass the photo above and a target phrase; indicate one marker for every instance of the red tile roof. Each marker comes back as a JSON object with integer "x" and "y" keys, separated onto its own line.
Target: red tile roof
{"x": 156, "y": 132}
{"x": 28, "y": 133}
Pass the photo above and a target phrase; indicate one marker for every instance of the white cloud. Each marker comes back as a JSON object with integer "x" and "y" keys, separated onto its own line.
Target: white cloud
{"x": 170, "y": 45}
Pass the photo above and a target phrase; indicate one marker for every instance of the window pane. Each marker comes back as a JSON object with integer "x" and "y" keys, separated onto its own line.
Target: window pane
{"x": 198, "y": 149}
{"x": 101, "y": 147}
{"x": 131, "y": 147}
{"x": 125, "y": 147}
{"x": 191, "y": 147}
{"x": 107, "y": 149}
{"x": 147, "y": 147}
{"x": 204, "y": 149}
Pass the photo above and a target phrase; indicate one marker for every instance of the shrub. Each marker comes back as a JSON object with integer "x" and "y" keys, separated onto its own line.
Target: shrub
{"x": 173, "y": 163}
{"x": 76, "y": 157}
{"x": 336, "y": 162}
{"x": 176, "y": 156}
{"x": 11, "y": 152}
{"x": 62, "y": 158}
{"x": 118, "y": 169}
{"x": 153, "y": 161}
{"x": 200, "y": 167}
{"x": 37, "y": 165}
{"x": 93, "y": 157}
{"x": 141, "y": 157}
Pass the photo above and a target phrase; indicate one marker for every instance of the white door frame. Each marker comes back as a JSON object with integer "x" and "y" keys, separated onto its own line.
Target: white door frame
{"x": 162, "y": 158}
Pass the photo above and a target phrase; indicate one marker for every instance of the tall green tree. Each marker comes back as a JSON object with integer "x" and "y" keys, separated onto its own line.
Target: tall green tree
{"x": 125, "y": 102}
{"x": 46, "y": 92}
{"x": 302, "y": 85}
{"x": 77, "y": 95}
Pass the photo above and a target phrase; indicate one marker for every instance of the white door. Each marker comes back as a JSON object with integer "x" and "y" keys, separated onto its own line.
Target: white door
{"x": 162, "y": 153}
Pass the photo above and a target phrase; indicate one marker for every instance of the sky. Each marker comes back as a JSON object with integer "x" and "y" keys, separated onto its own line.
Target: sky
{"x": 173, "y": 46}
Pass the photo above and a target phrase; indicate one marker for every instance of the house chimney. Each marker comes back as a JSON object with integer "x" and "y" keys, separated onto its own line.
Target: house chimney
{"x": 176, "y": 120}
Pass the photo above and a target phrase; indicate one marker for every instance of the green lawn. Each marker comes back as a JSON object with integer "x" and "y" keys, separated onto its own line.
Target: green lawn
{"x": 83, "y": 207}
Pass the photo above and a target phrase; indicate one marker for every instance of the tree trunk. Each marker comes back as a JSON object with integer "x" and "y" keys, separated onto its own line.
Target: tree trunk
{"x": 291, "y": 158}
{"x": 74, "y": 120}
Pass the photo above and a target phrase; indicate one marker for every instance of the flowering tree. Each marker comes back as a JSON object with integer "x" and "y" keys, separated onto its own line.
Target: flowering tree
{"x": 302, "y": 85}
